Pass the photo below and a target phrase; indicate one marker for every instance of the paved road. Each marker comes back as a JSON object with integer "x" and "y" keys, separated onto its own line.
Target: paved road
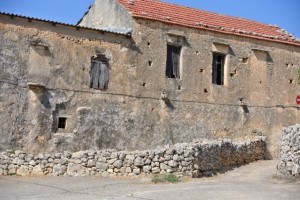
{"x": 254, "y": 181}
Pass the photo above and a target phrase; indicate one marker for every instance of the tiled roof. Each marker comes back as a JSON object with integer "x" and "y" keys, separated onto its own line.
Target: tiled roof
{"x": 194, "y": 18}
{"x": 120, "y": 32}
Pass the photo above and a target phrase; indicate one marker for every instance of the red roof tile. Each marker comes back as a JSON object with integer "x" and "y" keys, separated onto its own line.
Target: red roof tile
{"x": 190, "y": 17}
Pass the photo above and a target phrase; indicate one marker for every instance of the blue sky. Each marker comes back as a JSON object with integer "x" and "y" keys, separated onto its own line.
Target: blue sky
{"x": 285, "y": 13}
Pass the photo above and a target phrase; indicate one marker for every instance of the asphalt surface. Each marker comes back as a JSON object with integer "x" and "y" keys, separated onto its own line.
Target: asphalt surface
{"x": 255, "y": 181}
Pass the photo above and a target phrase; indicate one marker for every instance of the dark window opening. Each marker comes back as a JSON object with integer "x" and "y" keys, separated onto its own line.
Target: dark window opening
{"x": 99, "y": 72}
{"x": 173, "y": 62}
{"x": 62, "y": 121}
{"x": 218, "y": 69}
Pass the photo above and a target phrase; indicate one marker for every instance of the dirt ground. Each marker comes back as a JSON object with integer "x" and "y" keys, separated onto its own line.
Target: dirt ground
{"x": 254, "y": 181}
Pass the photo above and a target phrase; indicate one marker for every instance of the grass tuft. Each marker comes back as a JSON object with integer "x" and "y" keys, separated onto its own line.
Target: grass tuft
{"x": 168, "y": 178}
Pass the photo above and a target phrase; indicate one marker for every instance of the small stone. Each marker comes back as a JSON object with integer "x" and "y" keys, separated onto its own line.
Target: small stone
{"x": 136, "y": 171}
{"x": 32, "y": 163}
{"x": 58, "y": 155}
{"x": 173, "y": 163}
{"x": 91, "y": 153}
{"x": 67, "y": 154}
{"x": 102, "y": 159}
{"x": 105, "y": 174}
{"x": 139, "y": 162}
{"x": 102, "y": 166}
{"x": 163, "y": 166}
{"x": 23, "y": 171}
{"x": 77, "y": 155}
{"x": 91, "y": 163}
{"x": 111, "y": 161}
{"x": 155, "y": 170}
{"x": 17, "y": 152}
{"x": 148, "y": 162}
{"x": 28, "y": 157}
{"x": 118, "y": 164}
{"x": 12, "y": 171}
{"x": 129, "y": 157}
{"x": 147, "y": 168}
{"x": 122, "y": 156}
{"x": 37, "y": 171}
{"x": 128, "y": 170}
{"x": 170, "y": 151}
{"x": 64, "y": 161}
{"x": 22, "y": 156}
{"x": 75, "y": 169}
{"x": 185, "y": 164}
{"x": 114, "y": 155}
{"x": 59, "y": 170}
{"x": 41, "y": 156}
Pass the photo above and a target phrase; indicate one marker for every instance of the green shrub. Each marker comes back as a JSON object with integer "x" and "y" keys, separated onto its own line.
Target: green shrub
{"x": 168, "y": 178}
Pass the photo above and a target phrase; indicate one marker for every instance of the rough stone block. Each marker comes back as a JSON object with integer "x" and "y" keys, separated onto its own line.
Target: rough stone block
{"x": 102, "y": 166}
{"x": 23, "y": 171}
{"x": 136, "y": 171}
{"x": 147, "y": 168}
{"x": 139, "y": 162}
{"x": 118, "y": 164}
{"x": 37, "y": 170}
{"x": 76, "y": 170}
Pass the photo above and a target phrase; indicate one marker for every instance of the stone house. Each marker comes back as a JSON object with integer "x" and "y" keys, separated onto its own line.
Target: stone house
{"x": 135, "y": 74}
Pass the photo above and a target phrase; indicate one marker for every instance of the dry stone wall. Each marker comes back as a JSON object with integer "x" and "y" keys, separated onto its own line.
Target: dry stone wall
{"x": 289, "y": 163}
{"x": 200, "y": 158}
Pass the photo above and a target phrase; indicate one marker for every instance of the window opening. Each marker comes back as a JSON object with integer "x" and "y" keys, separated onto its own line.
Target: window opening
{"x": 173, "y": 62}
{"x": 99, "y": 72}
{"x": 218, "y": 69}
{"x": 62, "y": 121}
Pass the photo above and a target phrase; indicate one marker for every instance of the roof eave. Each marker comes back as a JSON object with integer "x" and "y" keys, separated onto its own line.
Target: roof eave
{"x": 218, "y": 31}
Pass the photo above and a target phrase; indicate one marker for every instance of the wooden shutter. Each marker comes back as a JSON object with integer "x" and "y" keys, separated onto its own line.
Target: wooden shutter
{"x": 104, "y": 75}
{"x": 176, "y": 62}
{"x": 95, "y": 72}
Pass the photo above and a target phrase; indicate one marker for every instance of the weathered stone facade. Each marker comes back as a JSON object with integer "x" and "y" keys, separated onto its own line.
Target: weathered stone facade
{"x": 289, "y": 159}
{"x": 201, "y": 158}
{"x": 45, "y": 73}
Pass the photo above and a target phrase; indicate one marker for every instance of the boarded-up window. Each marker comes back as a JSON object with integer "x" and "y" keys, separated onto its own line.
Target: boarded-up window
{"x": 173, "y": 62}
{"x": 218, "y": 69}
{"x": 99, "y": 72}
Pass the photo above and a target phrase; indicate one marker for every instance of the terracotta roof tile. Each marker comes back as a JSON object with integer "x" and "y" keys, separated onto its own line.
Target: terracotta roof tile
{"x": 194, "y": 18}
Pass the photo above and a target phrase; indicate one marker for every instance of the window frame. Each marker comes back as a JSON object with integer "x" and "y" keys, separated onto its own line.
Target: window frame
{"x": 218, "y": 68}
{"x": 99, "y": 73}
{"x": 173, "y": 61}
